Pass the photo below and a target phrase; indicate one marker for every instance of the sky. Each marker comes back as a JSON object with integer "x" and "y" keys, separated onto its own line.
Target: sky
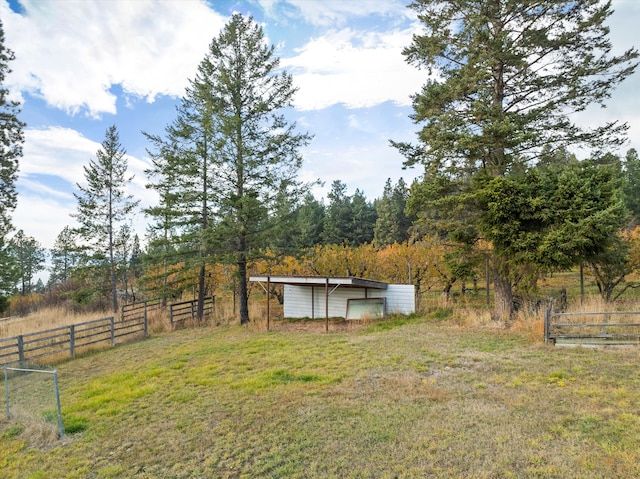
{"x": 84, "y": 65}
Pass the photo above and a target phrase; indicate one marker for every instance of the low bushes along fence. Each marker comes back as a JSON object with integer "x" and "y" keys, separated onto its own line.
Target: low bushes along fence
{"x": 67, "y": 340}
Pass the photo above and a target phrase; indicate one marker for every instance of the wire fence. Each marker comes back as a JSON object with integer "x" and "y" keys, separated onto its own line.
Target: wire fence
{"x": 32, "y": 397}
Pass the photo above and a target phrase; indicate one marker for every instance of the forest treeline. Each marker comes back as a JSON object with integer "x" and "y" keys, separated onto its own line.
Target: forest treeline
{"x": 501, "y": 194}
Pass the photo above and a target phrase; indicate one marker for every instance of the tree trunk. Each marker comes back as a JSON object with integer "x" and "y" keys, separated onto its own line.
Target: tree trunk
{"x": 112, "y": 267}
{"x": 200, "y": 307}
{"x": 503, "y": 297}
{"x": 446, "y": 292}
{"x": 242, "y": 289}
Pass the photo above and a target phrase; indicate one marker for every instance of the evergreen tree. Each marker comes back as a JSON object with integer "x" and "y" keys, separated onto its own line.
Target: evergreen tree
{"x": 136, "y": 258}
{"x": 39, "y": 287}
{"x": 103, "y": 204}
{"x": 363, "y": 220}
{"x": 632, "y": 183}
{"x": 392, "y": 223}
{"x": 29, "y": 258}
{"x": 233, "y": 130}
{"x": 551, "y": 219}
{"x": 509, "y": 73}
{"x": 65, "y": 256}
{"x": 386, "y": 230}
{"x": 180, "y": 176}
{"x": 11, "y": 140}
{"x": 258, "y": 148}
{"x": 123, "y": 247}
{"x": 338, "y": 217}
{"x": 309, "y": 223}
{"x": 611, "y": 267}
{"x": 556, "y": 159}
{"x": 282, "y": 224}
{"x": 348, "y": 219}
{"x": 10, "y": 270}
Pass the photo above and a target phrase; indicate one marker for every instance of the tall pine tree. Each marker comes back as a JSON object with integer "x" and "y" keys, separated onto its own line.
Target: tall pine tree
{"x": 235, "y": 133}
{"x": 338, "y": 215}
{"x": 11, "y": 140}
{"x": 65, "y": 256}
{"x": 29, "y": 257}
{"x": 506, "y": 77}
{"x": 392, "y": 224}
{"x": 103, "y": 204}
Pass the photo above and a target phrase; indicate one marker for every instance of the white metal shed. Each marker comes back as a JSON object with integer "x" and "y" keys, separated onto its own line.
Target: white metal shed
{"x": 346, "y": 297}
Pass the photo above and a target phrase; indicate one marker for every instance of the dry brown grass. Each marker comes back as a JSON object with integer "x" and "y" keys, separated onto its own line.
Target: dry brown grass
{"x": 34, "y": 430}
{"x": 46, "y": 318}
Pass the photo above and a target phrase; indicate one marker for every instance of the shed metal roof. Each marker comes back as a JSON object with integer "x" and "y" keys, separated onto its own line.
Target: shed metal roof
{"x": 346, "y": 281}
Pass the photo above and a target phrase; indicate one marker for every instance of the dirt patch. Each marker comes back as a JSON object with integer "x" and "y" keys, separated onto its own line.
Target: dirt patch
{"x": 317, "y": 325}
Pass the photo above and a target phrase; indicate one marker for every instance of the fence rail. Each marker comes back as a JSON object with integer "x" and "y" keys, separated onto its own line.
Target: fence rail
{"x": 187, "y": 310}
{"x": 67, "y": 340}
{"x": 135, "y": 310}
{"x": 573, "y": 328}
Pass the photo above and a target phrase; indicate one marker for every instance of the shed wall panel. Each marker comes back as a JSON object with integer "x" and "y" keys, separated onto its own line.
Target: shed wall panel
{"x": 298, "y": 300}
{"x": 401, "y": 298}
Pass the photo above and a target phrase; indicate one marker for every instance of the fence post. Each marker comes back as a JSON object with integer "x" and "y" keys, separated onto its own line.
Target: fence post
{"x": 113, "y": 332}
{"x": 547, "y": 321}
{"x": 55, "y": 382}
{"x": 72, "y": 341}
{"x": 145, "y": 322}
{"x": 6, "y": 391}
{"x": 20, "y": 349}
{"x": 171, "y": 316}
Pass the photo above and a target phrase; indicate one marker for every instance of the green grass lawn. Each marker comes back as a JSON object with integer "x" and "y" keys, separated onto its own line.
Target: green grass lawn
{"x": 421, "y": 398}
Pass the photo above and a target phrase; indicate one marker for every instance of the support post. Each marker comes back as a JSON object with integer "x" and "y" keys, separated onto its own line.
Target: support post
{"x": 488, "y": 279}
{"x": 113, "y": 331}
{"x": 268, "y": 295}
{"x": 547, "y": 321}
{"x": 21, "y": 349}
{"x": 326, "y": 304}
{"x": 6, "y": 391}
{"x": 72, "y": 341}
{"x": 581, "y": 283}
{"x": 60, "y": 425}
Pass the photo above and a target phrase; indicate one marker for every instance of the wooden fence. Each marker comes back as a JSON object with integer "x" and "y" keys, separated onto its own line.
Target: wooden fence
{"x": 585, "y": 329}
{"x": 136, "y": 310}
{"x": 187, "y": 310}
{"x": 67, "y": 340}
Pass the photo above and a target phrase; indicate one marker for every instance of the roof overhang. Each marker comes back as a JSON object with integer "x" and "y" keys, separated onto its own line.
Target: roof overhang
{"x": 347, "y": 281}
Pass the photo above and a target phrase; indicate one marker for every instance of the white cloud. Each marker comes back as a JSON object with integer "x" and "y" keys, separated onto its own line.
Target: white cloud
{"x": 357, "y": 69}
{"x": 42, "y": 218}
{"x": 332, "y": 13}
{"x": 42, "y": 190}
{"x": 71, "y": 53}
{"x": 58, "y": 152}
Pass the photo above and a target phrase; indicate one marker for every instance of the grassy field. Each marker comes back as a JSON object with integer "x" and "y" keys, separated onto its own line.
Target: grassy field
{"x": 420, "y": 397}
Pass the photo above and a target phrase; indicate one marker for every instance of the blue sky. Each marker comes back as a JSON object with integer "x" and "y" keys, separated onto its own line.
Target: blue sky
{"x": 83, "y": 65}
